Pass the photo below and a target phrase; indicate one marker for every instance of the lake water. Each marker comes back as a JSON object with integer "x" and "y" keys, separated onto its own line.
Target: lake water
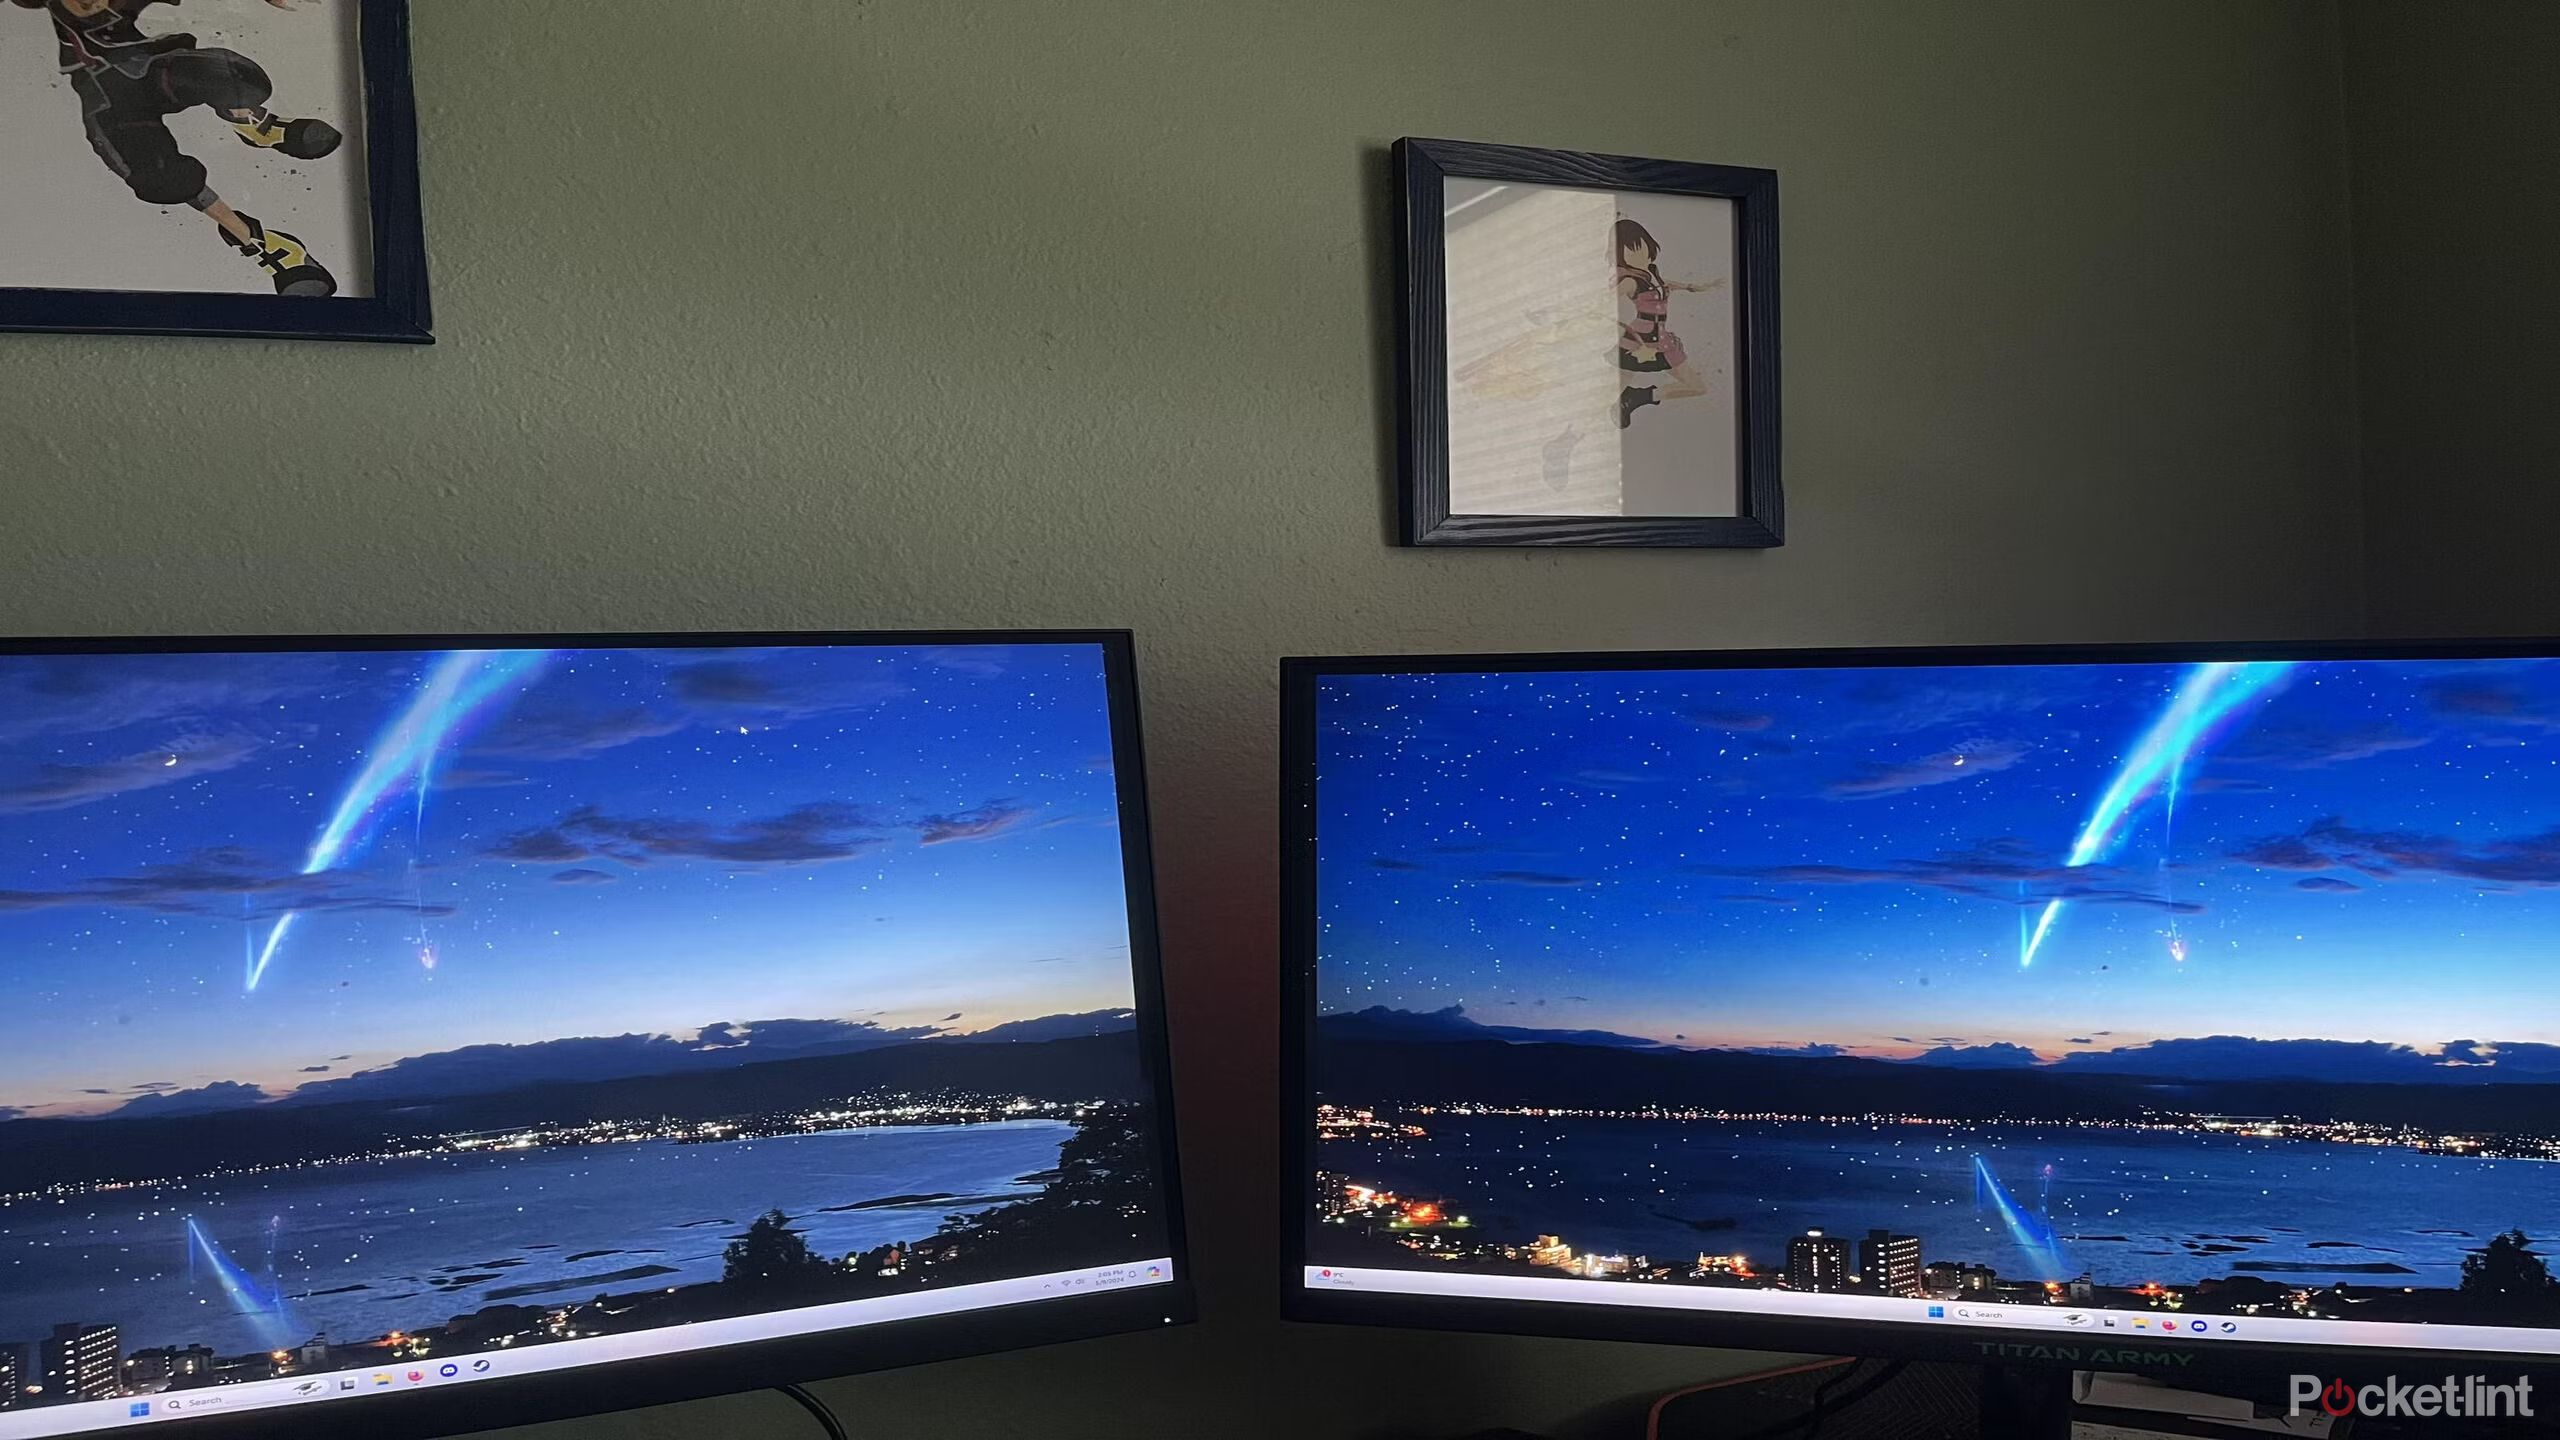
{"x": 2128, "y": 1206}
{"x": 361, "y": 1250}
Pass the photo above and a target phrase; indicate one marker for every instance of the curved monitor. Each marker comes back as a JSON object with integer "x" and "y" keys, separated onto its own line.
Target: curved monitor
{"x": 2117, "y": 1008}
{"x": 408, "y": 1037}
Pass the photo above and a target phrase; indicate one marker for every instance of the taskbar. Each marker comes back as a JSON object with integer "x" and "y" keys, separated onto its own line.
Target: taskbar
{"x": 2126, "y": 1325}
{"x": 84, "y": 1417}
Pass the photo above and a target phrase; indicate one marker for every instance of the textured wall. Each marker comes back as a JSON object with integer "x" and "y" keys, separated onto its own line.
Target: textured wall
{"x": 820, "y": 313}
{"x": 2457, "y": 310}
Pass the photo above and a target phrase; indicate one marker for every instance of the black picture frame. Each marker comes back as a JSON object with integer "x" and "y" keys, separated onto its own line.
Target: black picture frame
{"x": 1422, "y": 168}
{"x": 397, "y": 311}
{"x": 432, "y": 1412}
{"x": 2168, "y": 1357}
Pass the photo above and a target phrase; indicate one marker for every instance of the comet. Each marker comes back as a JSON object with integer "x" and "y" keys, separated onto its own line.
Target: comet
{"x": 463, "y": 686}
{"x": 2204, "y": 706}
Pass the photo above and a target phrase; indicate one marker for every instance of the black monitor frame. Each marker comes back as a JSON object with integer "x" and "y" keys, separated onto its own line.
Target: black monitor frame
{"x": 496, "y": 1403}
{"x": 1989, "y": 1346}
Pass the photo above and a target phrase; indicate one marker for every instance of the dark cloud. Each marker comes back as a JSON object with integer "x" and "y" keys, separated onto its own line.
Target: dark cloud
{"x": 1803, "y": 1052}
{"x": 1960, "y": 762}
{"x": 805, "y": 836}
{"x": 1535, "y": 879}
{"x": 556, "y": 732}
{"x": 1053, "y": 1027}
{"x": 582, "y": 876}
{"x": 1380, "y": 1022}
{"x": 203, "y": 1100}
{"x": 2327, "y": 883}
{"x": 225, "y": 881}
{"x": 2527, "y": 860}
{"x": 2500, "y": 704}
{"x": 985, "y": 822}
{"x": 467, "y": 778}
{"x": 772, "y": 690}
{"x": 1788, "y": 902}
{"x": 1389, "y": 862}
{"x": 947, "y": 1019}
{"x": 1711, "y": 718}
{"x": 97, "y": 1092}
{"x": 2308, "y": 747}
{"x": 2229, "y": 784}
{"x": 2005, "y": 870}
{"x": 65, "y": 695}
{"x": 315, "y": 1069}
{"x": 2079, "y": 1040}
{"x": 59, "y": 787}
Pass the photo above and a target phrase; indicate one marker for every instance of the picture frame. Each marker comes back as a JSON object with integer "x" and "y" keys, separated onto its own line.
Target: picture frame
{"x": 1506, "y": 431}
{"x": 381, "y": 295}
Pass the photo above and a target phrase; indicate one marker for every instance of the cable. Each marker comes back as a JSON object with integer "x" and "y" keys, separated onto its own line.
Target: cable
{"x": 800, "y": 1395}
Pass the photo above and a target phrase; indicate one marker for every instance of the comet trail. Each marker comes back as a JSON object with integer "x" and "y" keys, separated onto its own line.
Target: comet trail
{"x": 2206, "y": 701}
{"x": 462, "y": 686}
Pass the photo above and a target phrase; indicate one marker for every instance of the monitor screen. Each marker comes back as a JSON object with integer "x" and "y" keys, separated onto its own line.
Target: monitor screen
{"x": 2028, "y": 1005}
{"x": 386, "y": 1021}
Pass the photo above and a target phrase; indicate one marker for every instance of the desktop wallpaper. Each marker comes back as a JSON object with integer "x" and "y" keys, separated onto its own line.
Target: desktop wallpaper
{"x": 2216, "y": 988}
{"x": 377, "y": 1007}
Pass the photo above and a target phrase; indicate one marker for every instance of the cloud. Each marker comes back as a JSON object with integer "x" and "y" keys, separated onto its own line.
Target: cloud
{"x": 558, "y": 732}
{"x": 985, "y": 822}
{"x": 582, "y": 876}
{"x": 315, "y": 1069}
{"x": 1787, "y": 902}
{"x": 947, "y": 1019}
{"x": 2005, "y": 870}
{"x": 2079, "y": 1040}
{"x": 60, "y": 787}
{"x": 10, "y": 1112}
{"x": 226, "y": 881}
{"x": 2310, "y": 747}
{"x": 1389, "y": 862}
{"x": 62, "y": 695}
{"x": 2329, "y": 884}
{"x": 203, "y": 1100}
{"x": 2228, "y": 784}
{"x": 1711, "y": 718}
{"x": 2527, "y": 860}
{"x": 1960, "y": 762}
{"x": 467, "y": 778}
{"x": 779, "y": 687}
{"x": 808, "y": 835}
{"x": 1612, "y": 779}
{"x": 1453, "y": 1024}
{"x": 1803, "y": 1052}
{"x": 2496, "y": 702}
{"x": 1534, "y": 879}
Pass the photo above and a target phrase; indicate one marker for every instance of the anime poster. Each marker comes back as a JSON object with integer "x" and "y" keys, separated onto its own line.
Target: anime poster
{"x": 205, "y": 147}
{"x": 1591, "y": 340}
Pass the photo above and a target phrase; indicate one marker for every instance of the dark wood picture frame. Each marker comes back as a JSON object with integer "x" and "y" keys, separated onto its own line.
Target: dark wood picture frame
{"x": 1422, "y": 167}
{"x": 396, "y": 311}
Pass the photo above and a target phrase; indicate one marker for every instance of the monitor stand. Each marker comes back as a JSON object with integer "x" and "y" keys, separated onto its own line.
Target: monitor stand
{"x": 2022, "y": 1403}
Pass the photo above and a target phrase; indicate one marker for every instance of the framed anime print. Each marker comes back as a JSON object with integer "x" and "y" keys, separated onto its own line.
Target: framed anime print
{"x": 1589, "y": 349}
{"x": 221, "y": 167}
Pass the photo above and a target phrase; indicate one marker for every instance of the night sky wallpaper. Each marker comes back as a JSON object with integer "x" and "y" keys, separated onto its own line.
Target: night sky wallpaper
{"x": 2344, "y": 871}
{"x": 239, "y": 880}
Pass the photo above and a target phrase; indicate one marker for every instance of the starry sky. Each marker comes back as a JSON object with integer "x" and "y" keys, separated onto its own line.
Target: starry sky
{"x": 866, "y": 841}
{"x": 1853, "y": 860}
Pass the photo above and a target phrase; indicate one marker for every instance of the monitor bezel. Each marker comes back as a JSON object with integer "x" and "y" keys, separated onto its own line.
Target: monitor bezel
{"x": 1926, "y": 1340}
{"x": 498, "y": 1403}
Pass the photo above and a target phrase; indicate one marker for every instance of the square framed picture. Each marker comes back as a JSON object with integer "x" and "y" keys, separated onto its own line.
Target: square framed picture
{"x": 229, "y": 167}
{"x": 1589, "y": 349}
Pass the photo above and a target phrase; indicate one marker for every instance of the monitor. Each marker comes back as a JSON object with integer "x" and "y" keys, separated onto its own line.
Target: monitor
{"x": 404, "y": 1037}
{"x": 2177, "y": 1009}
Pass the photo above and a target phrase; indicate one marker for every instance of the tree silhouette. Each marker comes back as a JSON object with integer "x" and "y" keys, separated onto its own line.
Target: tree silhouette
{"x": 2508, "y": 1274}
{"x": 771, "y": 1253}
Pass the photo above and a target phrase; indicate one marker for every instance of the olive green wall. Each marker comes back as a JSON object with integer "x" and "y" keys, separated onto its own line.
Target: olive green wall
{"x": 990, "y": 312}
{"x": 2457, "y": 225}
